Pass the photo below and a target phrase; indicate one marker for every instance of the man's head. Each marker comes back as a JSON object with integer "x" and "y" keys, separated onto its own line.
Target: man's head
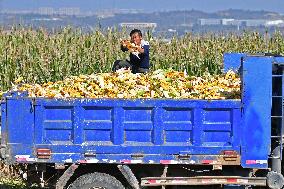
{"x": 136, "y": 36}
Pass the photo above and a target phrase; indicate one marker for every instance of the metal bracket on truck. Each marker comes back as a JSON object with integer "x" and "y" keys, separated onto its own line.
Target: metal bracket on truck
{"x": 62, "y": 181}
{"x": 203, "y": 180}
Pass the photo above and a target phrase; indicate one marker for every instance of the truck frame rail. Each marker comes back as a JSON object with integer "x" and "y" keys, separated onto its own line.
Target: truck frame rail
{"x": 203, "y": 180}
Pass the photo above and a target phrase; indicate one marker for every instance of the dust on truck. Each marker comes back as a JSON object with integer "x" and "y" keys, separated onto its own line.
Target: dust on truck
{"x": 142, "y": 143}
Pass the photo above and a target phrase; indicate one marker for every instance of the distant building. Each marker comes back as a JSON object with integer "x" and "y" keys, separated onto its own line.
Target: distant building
{"x": 244, "y": 23}
{"x": 235, "y": 23}
{"x": 105, "y": 13}
{"x": 209, "y": 21}
{"x": 127, "y": 11}
{"x": 69, "y": 11}
{"x": 172, "y": 30}
{"x": 141, "y": 25}
{"x": 255, "y": 23}
{"x": 46, "y": 11}
{"x": 226, "y": 21}
{"x": 274, "y": 23}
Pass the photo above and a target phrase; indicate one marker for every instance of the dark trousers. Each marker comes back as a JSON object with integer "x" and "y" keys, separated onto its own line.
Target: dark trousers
{"x": 118, "y": 64}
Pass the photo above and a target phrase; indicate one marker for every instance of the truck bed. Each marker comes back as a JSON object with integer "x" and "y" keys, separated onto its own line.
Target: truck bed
{"x": 154, "y": 130}
{"x": 148, "y": 131}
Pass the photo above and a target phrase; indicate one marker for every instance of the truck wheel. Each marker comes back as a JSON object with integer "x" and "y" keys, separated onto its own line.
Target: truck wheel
{"x": 275, "y": 180}
{"x": 96, "y": 181}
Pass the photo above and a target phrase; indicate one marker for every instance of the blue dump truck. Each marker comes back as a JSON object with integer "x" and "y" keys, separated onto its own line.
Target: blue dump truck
{"x": 153, "y": 143}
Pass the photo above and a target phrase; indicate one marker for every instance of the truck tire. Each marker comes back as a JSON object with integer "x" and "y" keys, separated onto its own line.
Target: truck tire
{"x": 96, "y": 181}
{"x": 275, "y": 180}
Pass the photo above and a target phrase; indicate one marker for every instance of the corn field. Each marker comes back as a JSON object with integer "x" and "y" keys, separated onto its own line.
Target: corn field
{"x": 39, "y": 56}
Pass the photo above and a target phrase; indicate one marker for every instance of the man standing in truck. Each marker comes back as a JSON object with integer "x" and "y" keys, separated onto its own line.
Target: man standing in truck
{"x": 139, "y": 54}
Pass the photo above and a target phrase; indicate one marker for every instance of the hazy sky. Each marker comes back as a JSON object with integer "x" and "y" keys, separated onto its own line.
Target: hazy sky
{"x": 150, "y": 5}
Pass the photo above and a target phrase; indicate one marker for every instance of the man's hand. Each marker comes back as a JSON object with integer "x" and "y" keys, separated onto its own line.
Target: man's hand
{"x": 140, "y": 50}
{"x": 124, "y": 43}
{"x": 131, "y": 46}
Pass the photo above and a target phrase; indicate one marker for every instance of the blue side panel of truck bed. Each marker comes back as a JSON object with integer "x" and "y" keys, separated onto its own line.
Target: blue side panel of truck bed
{"x": 123, "y": 127}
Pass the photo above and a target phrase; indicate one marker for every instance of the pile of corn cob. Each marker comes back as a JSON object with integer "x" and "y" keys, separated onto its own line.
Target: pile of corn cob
{"x": 124, "y": 84}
